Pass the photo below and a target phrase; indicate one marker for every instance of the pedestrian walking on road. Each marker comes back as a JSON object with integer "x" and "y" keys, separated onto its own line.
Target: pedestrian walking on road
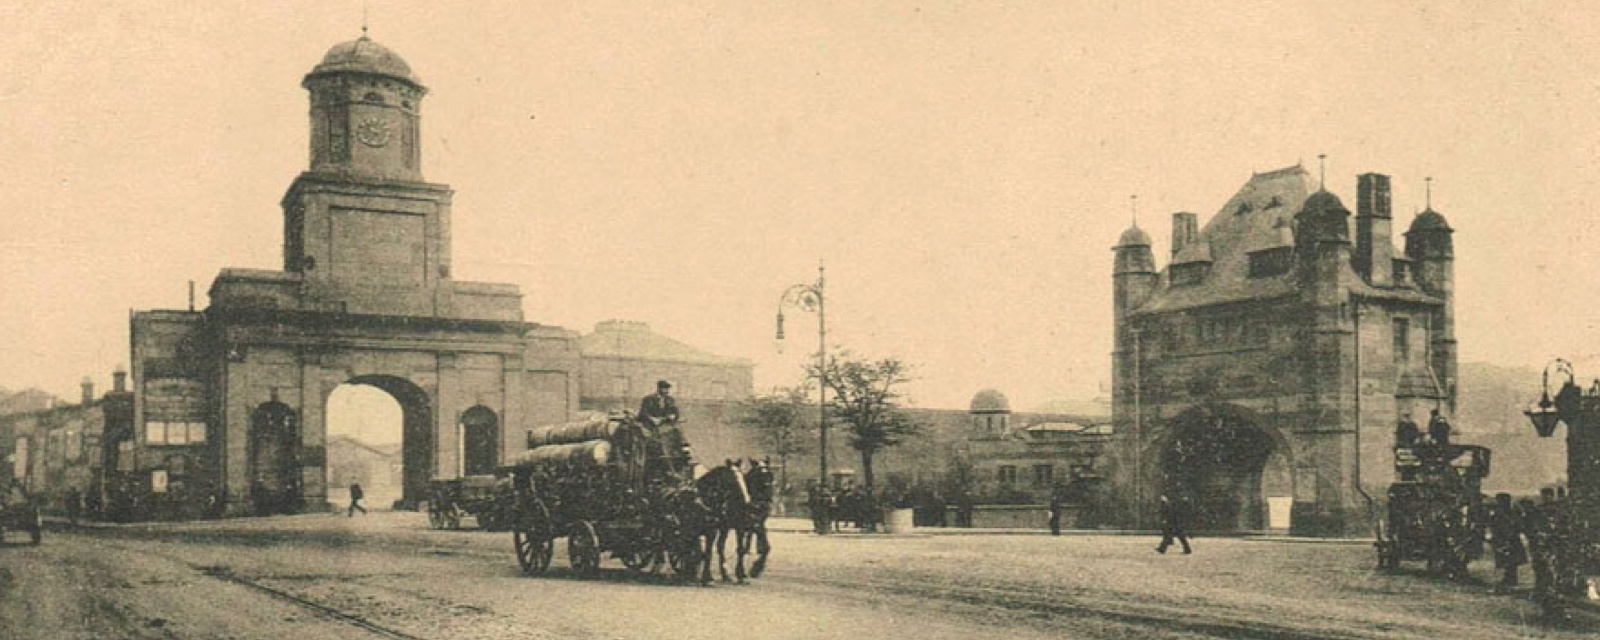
{"x": 1174, "y": 521}
{"x": 1057, "y": 498}
{"x": 355, "y": 501}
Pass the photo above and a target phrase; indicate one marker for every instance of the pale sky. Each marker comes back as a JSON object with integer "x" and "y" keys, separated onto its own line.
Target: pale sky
{"x": 963, "y": 169}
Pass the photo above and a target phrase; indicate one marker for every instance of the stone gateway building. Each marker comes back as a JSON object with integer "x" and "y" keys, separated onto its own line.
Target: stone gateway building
{"x": 231, "y": 401}
{"x": 1265, "y": 368}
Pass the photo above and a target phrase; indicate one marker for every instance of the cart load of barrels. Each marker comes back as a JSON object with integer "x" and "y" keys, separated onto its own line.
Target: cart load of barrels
{"x": 587, "y": 481}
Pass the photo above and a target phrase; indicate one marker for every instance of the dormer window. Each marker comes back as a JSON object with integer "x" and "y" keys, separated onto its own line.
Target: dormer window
{"x": 1274, "y": 203}
{"x": 1244, "y": 207}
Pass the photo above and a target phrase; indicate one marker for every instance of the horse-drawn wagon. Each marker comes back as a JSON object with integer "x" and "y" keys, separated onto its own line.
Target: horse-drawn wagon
{"x": 485, "y": 497}
{"x": 606, "y": 486}
{"x": 1436, "y": 511}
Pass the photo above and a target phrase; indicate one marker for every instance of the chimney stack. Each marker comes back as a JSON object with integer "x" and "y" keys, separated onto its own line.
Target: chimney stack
{"x": 119, "y": 380}
{"x": 1374, "y": 257}
{"x": 88, "y": 390}
{"x": 1185, "y": 229}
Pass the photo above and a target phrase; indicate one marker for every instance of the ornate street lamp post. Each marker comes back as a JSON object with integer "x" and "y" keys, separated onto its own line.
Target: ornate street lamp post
{"x": 809, "y": 297}
{"x": 1581, "y": 413}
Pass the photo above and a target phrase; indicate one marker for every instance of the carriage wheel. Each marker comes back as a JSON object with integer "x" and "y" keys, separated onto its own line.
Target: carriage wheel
{"x": 435, "y": 517}
{"x": 452, "y": 518}
{"x": 583, "y": 549}
{"x": 534, "y": 550}
{"x": 637, "y": 560}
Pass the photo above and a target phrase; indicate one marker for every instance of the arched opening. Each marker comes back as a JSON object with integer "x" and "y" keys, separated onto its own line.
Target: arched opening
{"x": 480, "y": 441}
{"x": 379, "y": 435}
{"x": 1217, "y": 454}
{"x": 365, "y": 436}
{"x": 274, "y": 459}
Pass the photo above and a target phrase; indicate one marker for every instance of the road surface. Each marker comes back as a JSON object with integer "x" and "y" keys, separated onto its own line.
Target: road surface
{"x": 388, "y": 576}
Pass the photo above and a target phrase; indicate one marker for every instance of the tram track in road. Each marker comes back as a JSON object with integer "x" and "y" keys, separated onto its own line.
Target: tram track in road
{"x": 225, "y": 575}
{"x": 1155, "y": 617}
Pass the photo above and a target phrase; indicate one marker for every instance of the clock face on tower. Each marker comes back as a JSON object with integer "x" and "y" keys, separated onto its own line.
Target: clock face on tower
{"x": 373, "y": 131}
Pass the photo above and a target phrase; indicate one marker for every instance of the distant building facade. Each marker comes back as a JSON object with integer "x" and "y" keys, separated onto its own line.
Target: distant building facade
{"x": 1265, "y": 367}
{"x": 73, "y": 449}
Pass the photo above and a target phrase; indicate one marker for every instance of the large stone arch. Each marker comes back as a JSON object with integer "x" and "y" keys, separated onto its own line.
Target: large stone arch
{"x": 1233, "y": 463}
{"x": 417, "y": 456}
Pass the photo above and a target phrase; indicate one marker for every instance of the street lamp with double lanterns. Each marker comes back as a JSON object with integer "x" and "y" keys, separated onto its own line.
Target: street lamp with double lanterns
{"x": 1580, "y": 411}
{"x": 809, "y": 297}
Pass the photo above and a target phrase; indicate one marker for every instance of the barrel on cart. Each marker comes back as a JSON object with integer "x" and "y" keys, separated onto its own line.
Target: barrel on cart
{"x": 608, "y": 487}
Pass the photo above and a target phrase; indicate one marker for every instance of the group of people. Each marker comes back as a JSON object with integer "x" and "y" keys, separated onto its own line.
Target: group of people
{"x": 1407, "y": 434}
{"x": 831, "y": 507}
{"x": 1537, "y": 534}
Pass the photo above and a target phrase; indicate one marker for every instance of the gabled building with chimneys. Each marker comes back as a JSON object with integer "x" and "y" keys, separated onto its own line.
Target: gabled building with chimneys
{"x": 1264, "y": 368}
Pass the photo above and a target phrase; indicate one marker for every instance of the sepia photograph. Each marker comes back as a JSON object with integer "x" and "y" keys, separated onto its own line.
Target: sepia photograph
{"x": 702, "y": 319}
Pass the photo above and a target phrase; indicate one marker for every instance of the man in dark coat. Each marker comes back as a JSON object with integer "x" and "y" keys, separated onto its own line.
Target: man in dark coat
{"x": 659, "y": 413}
{"x": 1505, "y": 529}
{"x": 1438, "y": 428}
{"x": 355, "y": 501}
{"x": 1174, "y": 521}
{"x": 659, "y": 408}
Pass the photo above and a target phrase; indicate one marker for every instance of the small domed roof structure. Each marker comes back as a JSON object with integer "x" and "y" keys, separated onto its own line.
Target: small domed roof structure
{"x": 1323, "y": 201}
{"x": 362, "y": 55}
{"x": 1134, "y": 237}
{"x": 1323, "y": 217}
{"x": 990, "y": 401}
{"x": 1430, "y": 220}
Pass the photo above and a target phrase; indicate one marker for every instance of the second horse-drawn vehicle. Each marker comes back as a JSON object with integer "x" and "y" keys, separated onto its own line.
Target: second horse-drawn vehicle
{"x": 1436, "y": 513}
{"x": 485, "y": 497}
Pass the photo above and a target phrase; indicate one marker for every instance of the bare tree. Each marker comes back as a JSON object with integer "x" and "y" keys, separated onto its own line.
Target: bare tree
{"x": 780, "y": 422}
{"x": 866, "y": 401}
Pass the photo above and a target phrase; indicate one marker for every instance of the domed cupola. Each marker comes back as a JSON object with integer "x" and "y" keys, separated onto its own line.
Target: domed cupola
{"x": 362, "y": 55}
{"x": 1429, "y": 236}
{"x": 365, "y": 113}
{"x": 1323, "y": 218}
{"x": 991, "y": 412}
{"x": 1133, "y": 252}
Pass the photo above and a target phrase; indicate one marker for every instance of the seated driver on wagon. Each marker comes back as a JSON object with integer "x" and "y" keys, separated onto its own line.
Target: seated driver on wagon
{"x": 659, "y": 412}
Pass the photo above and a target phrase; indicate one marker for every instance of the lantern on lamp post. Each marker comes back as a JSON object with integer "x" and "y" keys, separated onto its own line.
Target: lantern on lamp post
{"x": 809, "y": 297}
{"x": 1580, "y": 411}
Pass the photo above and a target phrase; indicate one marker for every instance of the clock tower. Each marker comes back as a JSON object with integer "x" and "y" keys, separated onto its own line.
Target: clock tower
{"x": 361, "y": 227}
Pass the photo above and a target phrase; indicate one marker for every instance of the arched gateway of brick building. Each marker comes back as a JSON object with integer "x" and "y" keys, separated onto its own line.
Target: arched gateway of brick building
{"x": 1229, "y": 462}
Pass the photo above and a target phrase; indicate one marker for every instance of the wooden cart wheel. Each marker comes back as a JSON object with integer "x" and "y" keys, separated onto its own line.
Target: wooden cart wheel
{"x": 534, "y": 549}
{"x": 583, "y": 549}
{"x": 637, "y": 560}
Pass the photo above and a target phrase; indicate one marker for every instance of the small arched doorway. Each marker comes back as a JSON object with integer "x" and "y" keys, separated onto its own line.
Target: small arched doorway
{"x": 274, "y": 459}
{"x": 1217, "y": 453}
{"x": 380, "y": 434}
{"x": 480, "y": 441}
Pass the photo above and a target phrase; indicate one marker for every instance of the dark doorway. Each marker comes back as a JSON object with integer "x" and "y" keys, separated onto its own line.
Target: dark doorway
{"x": 274, "y": 459}
{"x": 1216, "y": 454}
{"x": 480, "y": 434}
